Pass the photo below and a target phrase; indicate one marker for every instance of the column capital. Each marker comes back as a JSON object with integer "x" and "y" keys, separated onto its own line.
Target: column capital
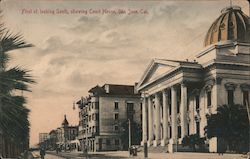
{"x": 209, "y": 84}
{"x": 164, "y": 91}
{"x": 184, "y": 83}
{"x": 230, "y": 86}
{"x": 218, "y": 80}
{"x": 245, "y": 87}
{"x": 157, "y": 94}
{"x": 174, "y": 87}
{"x": 144, "y": 95}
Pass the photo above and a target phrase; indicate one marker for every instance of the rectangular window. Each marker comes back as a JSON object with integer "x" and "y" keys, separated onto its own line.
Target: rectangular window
{"x": 188, "y": 131}
{"x": 197, "y": 102}
{"x": 170, "y": 131}
{"x": 116, "y": 141}
{"x": 97, "y": 117}
{"x": 178, "y": 107}
{"x": 90, "y": 118}
{"x": 230, "y": 97}
{"x": 179, "y": 131}
{"x": 96, "y": 105}
{"x": 209, "y": 100}
{"x": 130, "y": 111}
{"x": 245, "y": 98}
{"x": 116, "y": 116}
{"x": 97, "y": 129}
{"x": 108, "y": 142}
{"x": 198, "y": 128}
{"x": 100, "y": 144}
{"x": 169, "y": 103}
{"x": 130, "y": 106}
{"x": 116, "y": 105}
{"x": 116, "y": 128}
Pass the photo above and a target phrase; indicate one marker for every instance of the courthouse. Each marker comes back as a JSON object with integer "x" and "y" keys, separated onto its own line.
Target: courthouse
{"x": 179, "y": 95}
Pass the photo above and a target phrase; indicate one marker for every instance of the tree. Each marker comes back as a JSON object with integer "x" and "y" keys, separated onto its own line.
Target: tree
{"x": 136, "y": 134}
{"x": 193, "y": 141}
{"x": 14, "y": 123}
{"x": 230, "y": 124}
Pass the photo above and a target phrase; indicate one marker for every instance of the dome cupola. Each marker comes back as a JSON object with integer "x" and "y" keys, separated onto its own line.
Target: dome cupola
{"x": 232, "y": 25}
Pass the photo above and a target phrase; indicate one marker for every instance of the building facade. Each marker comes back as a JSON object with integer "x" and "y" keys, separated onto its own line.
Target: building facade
{"x": 66, "y": 136}
{"x": 178, "y": 95}
{"x": 43, "y": 137}
{"x": 102, "y": 114}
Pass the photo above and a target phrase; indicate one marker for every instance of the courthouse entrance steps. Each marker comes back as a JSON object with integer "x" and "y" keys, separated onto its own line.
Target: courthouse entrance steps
{"x": 152, "y": 149}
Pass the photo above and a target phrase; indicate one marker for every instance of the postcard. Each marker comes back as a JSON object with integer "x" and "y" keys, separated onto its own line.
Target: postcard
{"x": 124, "y": 78}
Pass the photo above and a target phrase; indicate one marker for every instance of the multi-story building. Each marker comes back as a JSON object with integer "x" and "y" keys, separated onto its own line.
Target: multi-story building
{"x": 52, "y": 140}
{"x": 102, "y": 114}
{"x": 43, "y": 137}
{"x": 178, "y": 95}
{"x": 66, "y": 134}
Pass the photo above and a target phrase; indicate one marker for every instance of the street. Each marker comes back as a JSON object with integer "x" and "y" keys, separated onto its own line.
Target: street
{"x": 124, "y": 154}
{"x": 48, "y": 156}
{"x": 36, "y": 154}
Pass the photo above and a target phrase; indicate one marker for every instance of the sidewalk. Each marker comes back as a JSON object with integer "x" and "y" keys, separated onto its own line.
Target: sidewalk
{"x": 124, "y": 154}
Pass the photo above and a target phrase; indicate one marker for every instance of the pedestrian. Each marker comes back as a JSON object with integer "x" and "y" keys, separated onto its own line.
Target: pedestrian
{"x": 42, "y": 153}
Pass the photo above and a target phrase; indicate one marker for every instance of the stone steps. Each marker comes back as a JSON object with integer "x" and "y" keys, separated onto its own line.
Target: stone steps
{"x": 152, "y": 149}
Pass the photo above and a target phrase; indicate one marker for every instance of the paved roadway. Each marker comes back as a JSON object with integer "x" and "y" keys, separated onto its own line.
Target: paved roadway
{"x": 48, "y": 156}
{"x": 124, "y": 155}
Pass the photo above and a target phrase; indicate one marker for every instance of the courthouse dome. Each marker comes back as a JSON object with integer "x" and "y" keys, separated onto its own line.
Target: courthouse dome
{"x": 232, "y": 24}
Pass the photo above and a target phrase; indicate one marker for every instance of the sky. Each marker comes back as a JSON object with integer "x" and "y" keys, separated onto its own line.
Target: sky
{"x": 104, "y": 42}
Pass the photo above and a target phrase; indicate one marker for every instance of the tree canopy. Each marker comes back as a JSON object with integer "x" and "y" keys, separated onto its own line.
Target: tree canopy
{"x": 230, "y": 123}
{"x": 14, "y": 123}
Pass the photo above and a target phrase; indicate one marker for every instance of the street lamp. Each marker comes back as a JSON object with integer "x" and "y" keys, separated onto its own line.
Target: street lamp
{"x": 129, "y": 134}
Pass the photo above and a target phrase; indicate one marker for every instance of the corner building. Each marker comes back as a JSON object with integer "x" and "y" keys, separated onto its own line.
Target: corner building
{"x": 178, "y": 95}
{"x": 102, "y": 114}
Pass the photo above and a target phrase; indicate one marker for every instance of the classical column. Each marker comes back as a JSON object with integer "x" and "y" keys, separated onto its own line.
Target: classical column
{"x": 150, "y": 121}
{"x": 165, "y": 116}
{"x": 144, "y": 118}
{"x": 183, "y": 110}
{"x": 174, "y": 113}
{"x": 157, "y": 119}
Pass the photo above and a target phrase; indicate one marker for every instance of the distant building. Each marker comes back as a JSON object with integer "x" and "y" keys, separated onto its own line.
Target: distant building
{"x": 52, "y": 140}
{"x": 43, "y": 137}
{"x": 66, "y": 136}
{"x": 179, "y": 95}
{"x": 102, "y": 114}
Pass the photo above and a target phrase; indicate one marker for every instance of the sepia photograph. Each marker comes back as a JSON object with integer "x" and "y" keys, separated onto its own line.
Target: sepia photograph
{"x": 114, "y": 79}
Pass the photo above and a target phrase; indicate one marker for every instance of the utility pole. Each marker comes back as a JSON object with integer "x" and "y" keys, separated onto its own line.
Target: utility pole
{"x": 86, "y": 144}
{"x": 248, "y": 113}
{"x": 129, "y": 134}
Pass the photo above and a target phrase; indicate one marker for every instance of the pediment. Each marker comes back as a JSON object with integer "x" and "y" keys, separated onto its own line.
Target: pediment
{"x": 156, "y": 69}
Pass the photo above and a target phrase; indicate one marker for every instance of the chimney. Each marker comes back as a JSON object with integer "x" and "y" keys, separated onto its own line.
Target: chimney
{"x": 135, "y": 88}
{"x": 106, "y": 87}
